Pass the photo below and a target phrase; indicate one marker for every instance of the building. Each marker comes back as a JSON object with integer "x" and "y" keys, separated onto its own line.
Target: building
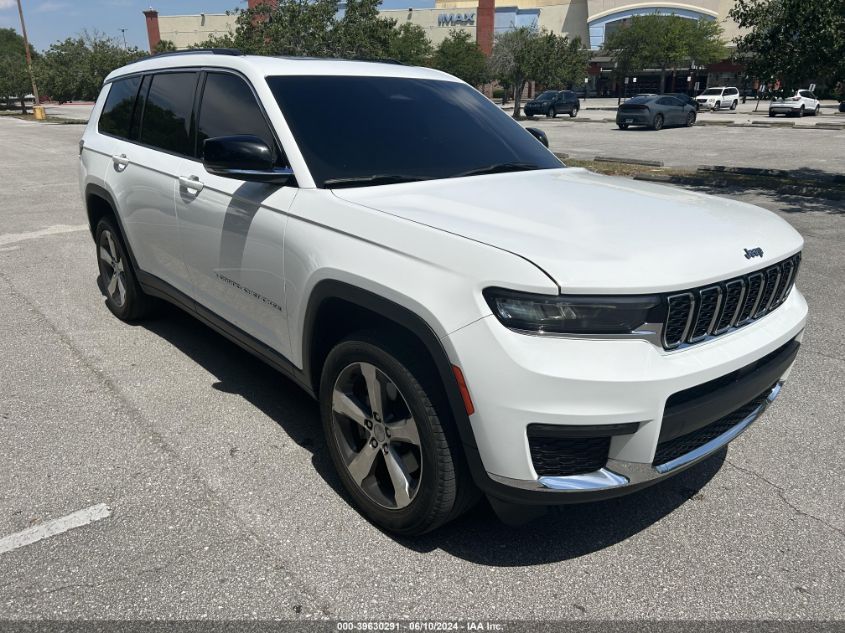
{"x": 590, "y": 20}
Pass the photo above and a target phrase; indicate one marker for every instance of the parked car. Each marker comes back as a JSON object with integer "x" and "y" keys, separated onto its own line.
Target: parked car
{"x": 553, "y": 102}
{"x": 801, "y": 103}
{"x": 654, "y": 111}
{"x": 471, "y": 315}
{"x": 685, "y": 98}
{"x": 842, "y": 106}
{"x": 719, "y": 97}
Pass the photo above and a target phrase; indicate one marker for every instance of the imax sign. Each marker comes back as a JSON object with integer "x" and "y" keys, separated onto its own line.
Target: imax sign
{"x": 456, "y": 19}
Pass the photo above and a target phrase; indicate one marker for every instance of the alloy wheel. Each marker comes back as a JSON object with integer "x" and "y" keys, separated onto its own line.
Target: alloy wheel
{"x": 376, "y": 435}
{"x": 112, "y": 269}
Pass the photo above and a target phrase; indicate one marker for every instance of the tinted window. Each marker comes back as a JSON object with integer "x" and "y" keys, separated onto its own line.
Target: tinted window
{"x": 120, "y": 102}
{"x": 229, "y": 108}
{"x": 397, "y": 127}
{"x": 167, "y": 113}
{"x": 545, "y": 96}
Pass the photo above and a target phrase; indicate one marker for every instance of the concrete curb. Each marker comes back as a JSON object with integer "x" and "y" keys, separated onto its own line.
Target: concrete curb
{"x": 628, "y": 161}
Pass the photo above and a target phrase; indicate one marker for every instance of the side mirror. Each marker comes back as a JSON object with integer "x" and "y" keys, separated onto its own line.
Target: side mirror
{"x": 243, "y": 157}
{"x": 539, "y": 134}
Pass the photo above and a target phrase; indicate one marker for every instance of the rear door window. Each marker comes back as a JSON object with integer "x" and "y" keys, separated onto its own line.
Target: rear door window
{"x": 120, "y": 104}
{"x": 166, "y": 121}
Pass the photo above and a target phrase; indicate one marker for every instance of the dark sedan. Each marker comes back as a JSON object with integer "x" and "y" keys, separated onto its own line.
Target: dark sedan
{"x": 554, "y": 102}
{"x": 654, "y": 111}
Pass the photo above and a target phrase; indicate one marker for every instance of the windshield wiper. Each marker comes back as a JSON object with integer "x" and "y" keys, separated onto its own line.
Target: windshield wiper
{"x": 378, "y": 179}
{"x": 498, "y": 168}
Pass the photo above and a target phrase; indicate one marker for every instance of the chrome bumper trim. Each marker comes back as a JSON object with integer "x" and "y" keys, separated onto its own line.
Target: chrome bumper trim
{"x": 618, "y": 474}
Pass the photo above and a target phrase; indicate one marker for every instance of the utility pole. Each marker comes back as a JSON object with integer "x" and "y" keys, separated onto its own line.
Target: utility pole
{"x": 28, "y": 57}
{"x": 123, "y": 32}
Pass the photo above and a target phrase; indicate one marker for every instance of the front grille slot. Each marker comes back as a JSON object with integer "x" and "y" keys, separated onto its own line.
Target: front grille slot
{"x": 562, "y": 456}
{"x": 677, "y": 319}
{"x": 730, "y": 305}
{"x": 693, "y": 316}
{"x": 708, "y": 305}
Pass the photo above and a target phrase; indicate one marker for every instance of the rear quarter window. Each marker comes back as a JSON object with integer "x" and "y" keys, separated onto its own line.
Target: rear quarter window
{"x": 120, "y": 104}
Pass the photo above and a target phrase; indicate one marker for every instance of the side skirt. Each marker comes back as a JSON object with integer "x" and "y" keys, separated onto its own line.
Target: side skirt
{"x": 155, "y": 287}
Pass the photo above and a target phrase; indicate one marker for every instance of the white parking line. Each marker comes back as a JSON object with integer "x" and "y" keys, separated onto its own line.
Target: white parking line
{"x": 11, "y": 238}
{"x": 54, "y": 527}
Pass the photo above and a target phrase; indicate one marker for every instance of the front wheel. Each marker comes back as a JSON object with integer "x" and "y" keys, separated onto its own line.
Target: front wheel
{"x": 733, "y": 105}
{"x": 690, "y": 119}
{"x": 657, "y": 124}
{"x": 573, "y": 112}
{"x": 552, "y": 112}
{"x": 801, "y": 113}
{"x": 622, "y": 126}
{"x": 816, "y": 111}
{"x": 390, "y": 436}
{"x": 717, "y": 106}
{"x": 118, "y": 282}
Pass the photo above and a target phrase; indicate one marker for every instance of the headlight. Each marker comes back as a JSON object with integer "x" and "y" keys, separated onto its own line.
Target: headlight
{"x": 573, "y": 314}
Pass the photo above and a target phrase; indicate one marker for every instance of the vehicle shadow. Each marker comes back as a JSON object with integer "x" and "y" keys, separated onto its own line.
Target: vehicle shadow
{"x": 566, "y": 532}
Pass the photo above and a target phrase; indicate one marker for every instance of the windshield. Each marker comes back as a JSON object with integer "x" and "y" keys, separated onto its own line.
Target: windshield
{"x": 547, "y": 96}
{"x": 400, "y": 129}
{"x": 712, "y": 91}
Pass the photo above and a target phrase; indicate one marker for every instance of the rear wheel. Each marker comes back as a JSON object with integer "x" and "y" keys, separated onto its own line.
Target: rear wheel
{"x": 573, "y": 112}
{"x": 816, "y": 111}
{"x": 551, "y": 112}
{"x": 396, "y": 456}
{"x": 657, "y": 123}
{"x": 118, "y": 281}
{"x": 733, "y": 105}
{"x": 691, "y": 119}
{"x": 801, "y": 112}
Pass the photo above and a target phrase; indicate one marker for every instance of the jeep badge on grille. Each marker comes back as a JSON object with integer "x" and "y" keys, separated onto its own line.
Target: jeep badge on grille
{"x": 753, "y": 252}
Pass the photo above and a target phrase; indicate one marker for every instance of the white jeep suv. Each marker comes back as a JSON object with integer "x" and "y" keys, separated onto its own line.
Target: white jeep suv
{"x": 472, "y": 316}
{"x": 718, "y": 98}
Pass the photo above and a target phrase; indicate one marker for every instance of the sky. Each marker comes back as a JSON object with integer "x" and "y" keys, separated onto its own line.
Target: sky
{"x": 48, "y": 21}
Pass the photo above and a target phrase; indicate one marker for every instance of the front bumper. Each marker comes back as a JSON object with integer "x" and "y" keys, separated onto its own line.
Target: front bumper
{"x": 516, "y": 380}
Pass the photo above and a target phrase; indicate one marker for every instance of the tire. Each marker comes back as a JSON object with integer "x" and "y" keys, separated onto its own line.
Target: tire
{"x": 801, "y": 113}
{"x": 573, "y": 112}
{"x": 771, "y": 113}
{"x": 551, "y": 112}
{"x": 717, "y": 106}
{"x": 622, "y": 126}
{"x": 816, "y": 111}
{"x": 118, "y": 281}
{"x": 657, "y": 123}
{"x": 364, "y": 442}
{"x": 733, "y": 105}
{"x": 691, "y": 119}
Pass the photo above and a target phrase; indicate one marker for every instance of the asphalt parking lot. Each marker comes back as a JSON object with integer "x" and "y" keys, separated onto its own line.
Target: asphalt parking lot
{"x": 222, "y": 502}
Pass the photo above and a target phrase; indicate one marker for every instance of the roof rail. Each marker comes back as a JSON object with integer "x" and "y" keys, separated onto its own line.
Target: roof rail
{"x": 202, "y": 51}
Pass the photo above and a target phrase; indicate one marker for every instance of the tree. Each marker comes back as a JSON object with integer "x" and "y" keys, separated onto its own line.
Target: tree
{"x": 524, "y": 54}
{"x": 315, "y": 28}
{"x": 14, "y": 78}
{"x": 665, "y": 42}
{"x": 217, "y": 41}
{"x": 410, "y": 45}
{"x": 792, "y": 41}
{"x": 76, "y": 67}
{"x": 164, "y": 46}
{"x": 460, "y": 55}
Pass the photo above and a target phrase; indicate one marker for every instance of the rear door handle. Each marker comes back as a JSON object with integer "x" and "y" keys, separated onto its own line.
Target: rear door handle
{"x": 120, "y": 161}
{"x": 191, "y": 182}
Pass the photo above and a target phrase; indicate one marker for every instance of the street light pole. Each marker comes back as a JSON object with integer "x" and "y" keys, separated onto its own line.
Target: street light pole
{"x": 123, "y": 32}
{"x": 28, "y": 56}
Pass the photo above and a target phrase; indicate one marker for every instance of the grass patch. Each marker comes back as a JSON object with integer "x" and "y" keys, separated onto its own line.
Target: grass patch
{"x": 623, "y": 169}
{"x": 50, "y": 119}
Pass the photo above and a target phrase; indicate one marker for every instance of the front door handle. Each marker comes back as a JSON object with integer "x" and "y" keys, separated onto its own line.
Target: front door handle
{"x": 191, "y": 182}
{"x": 120, "y": 161}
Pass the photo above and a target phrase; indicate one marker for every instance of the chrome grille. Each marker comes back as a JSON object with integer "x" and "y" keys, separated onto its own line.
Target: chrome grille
{"x": 697, "y": 314}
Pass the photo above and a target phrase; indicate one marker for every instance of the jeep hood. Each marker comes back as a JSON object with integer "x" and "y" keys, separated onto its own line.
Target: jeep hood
{"x": 593, "y": 233}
